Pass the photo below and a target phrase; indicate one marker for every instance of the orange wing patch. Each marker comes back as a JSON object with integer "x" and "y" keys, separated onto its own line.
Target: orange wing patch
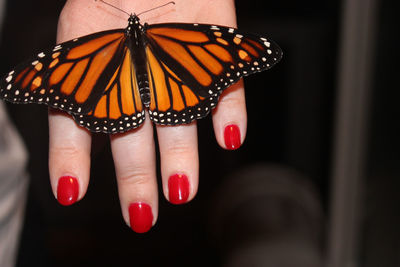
{"x": 206, "y": 59}
{"x": 101, "y": 108}
{"x": 28, "y": 79}
{"x": 190, "y": 97}
{"x": 219, "y": 52}
{"x": 250, "y": 49}
{"x": 179, "y": 34}
{"x": 179, "y": 53}
{"x": 177, "y": 101}
{"x": 92, "y": 46}
{"x": 59, "y": 73}
{"x": 115, "y": 112}
{"x": 159, "y": 98}
{"x": 37, "y": 82}
{"x": 244, "y": 55}
{"x": 121, "y": 95}
{"x": 169, "y": 95}
{"x": 73, "y": 78}
{"x": 130, "y": 98}
{"x": 96, "y": 67}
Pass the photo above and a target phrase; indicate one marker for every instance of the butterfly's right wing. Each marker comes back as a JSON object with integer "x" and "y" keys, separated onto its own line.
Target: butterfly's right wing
{"x": 91, "y": 77}
{"x": 190, "y": 65}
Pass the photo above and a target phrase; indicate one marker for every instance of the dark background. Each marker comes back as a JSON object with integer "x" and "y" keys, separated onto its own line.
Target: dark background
{"x": 291, "y": 111}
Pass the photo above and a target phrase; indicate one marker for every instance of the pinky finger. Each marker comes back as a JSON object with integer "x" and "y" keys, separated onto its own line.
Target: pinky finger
{"x": 230, "y": 117}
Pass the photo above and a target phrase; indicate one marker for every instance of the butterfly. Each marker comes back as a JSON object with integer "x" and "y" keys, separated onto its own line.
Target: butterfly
{"x": 107, "y": 80}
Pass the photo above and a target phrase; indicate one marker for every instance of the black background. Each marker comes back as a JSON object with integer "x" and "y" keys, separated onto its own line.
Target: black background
{"x": 290, "y": 111}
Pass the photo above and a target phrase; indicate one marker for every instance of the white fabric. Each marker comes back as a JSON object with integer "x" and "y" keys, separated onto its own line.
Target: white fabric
{"x": 13, "y": 189}
{"x": 13, "y": 184}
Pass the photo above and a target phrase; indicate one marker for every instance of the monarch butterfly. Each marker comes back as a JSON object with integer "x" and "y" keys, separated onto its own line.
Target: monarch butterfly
{"x": 108, "y": 79}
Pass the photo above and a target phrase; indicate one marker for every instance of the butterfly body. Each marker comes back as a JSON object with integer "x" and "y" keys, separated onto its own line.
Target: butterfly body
{"x": 135, "y": 34}
{"x": 107, "y": 80}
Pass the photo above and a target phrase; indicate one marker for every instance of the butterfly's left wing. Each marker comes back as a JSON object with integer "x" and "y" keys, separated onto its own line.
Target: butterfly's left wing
{"x": 91, "y": 77}
{"x": 189, "y": 66}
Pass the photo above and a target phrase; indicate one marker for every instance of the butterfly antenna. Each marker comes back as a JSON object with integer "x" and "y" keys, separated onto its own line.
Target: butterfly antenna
{"x": 166, "y": 4}
{"x": 104, "y": 2}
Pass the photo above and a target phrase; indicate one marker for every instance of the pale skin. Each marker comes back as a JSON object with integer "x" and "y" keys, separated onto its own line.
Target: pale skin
{"x": 134, "y": 152}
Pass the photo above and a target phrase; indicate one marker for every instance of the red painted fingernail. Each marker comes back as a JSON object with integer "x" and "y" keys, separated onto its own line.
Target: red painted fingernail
{"x": 232, "y": 137}
{"x": 140, "y": 217}
{"x": 178, "y": 188}
{"x": 67, "y": 190}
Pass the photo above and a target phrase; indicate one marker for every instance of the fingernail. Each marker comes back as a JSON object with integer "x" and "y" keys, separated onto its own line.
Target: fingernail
{"x": 232, "y": 137}
{"x": 67, "y": 190}
{"x": 140, "y": 217}
{"x": 178, "y": 188}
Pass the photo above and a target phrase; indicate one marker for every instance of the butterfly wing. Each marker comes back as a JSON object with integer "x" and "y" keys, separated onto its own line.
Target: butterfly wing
{"x": 189, "y": 66}
{"x": 91, "y": 77}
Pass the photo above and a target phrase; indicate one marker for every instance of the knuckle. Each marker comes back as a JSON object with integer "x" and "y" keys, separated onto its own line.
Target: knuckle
{"x": 134, "y": 176}
{"x": 179, "y": 147}
{"x": 68, "y": 151}
{"x": 232, "y": 101}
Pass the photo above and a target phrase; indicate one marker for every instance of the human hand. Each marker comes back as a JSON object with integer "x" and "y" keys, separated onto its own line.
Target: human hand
{"x": 134, "y": 151}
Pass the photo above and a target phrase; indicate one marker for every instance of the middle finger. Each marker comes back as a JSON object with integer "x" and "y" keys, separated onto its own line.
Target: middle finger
{"x": 134, "y": 160}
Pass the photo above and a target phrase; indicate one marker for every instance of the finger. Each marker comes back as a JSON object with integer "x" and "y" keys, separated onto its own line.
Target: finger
{"x": 134, "y": 160}
{"x": 179, "y": 161}
{"x": 69, "y": 158}
{"x": 230, "y": 117}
